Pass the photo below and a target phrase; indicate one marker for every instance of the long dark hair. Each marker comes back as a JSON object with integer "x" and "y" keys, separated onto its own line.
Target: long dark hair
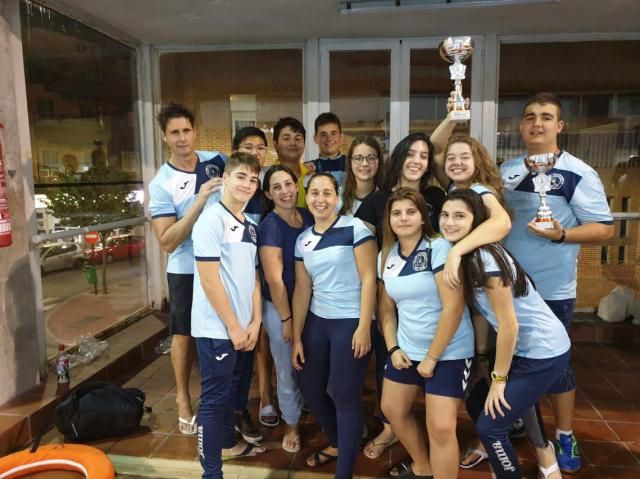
{"x": 268, "y": 205}
{"x": 350, "y": 182}
{"x": 388, "y": 236}
{"x": 399, "y": 156}
{"x": 472, "y": 268}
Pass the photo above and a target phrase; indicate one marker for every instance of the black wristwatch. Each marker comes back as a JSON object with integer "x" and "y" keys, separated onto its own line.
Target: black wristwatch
{"x": 563, "y": 235}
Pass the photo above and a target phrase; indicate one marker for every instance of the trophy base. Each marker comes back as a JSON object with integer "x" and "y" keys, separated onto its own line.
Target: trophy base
{"x": 460, "y": 115}
{"x": 544, "y": 224}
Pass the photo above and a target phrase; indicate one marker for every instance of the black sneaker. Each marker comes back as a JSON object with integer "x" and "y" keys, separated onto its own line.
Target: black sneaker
{"x": 246, "y": 427}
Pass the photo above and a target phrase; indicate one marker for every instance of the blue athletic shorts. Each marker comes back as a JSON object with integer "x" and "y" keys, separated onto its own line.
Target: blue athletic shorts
{"x": 450, "y": 378}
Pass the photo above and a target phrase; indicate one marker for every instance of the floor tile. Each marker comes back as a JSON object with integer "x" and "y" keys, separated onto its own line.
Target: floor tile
{"x": 628, "y": 432}
{"x": 593, "y": 430}
{"x": 617, "y": 472}
{"x": 183, "y": 448}
{"x": 142, "y": 444}
{"x": 623, "y": 411}
{"x": 600, "y": 453}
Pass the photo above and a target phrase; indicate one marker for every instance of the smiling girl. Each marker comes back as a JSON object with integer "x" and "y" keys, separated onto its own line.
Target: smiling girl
{"x": 335, "y": 260}
{"x": 429, "y": 334}
{"x": 277, "y": 236}
{"x": 532, "y": 346}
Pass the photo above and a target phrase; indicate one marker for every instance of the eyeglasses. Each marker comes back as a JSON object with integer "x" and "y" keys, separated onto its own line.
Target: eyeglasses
{"x": 253, "y": 148}
{"x": 359, "y": 159}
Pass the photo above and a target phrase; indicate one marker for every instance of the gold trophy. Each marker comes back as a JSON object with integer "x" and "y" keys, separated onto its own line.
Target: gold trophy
{"x": 540, "y": 165}
{"x": 456, "y": 50}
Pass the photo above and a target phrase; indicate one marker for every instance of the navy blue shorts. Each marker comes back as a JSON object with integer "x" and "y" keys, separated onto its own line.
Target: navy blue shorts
{"x": 180, "y": 298}
{"x": 564, "y": 309}
{"x": 450, "y": 378}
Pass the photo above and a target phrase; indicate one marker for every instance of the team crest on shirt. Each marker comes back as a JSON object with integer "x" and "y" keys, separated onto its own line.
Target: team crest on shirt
{"x": 556, "y": 180}
{"x": 420, "y": 261}
{"x": 252, "y": 233}
{"x": 212, "y": 171}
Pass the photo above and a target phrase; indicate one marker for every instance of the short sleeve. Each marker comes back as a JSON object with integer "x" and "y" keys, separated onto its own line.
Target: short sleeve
{"x": 361, "y": 234}
{"x": 589, "y": 201}
{"x": 298, "y": 251}
{"x": 439, "y": 251}
{"x": 269, "y": 233}
{"x": 379, "y": 266}
{"x": 490, "y": 264}
{"x": 160, "y": 202}
{"x": 207, "y": 236}
{"x": 367, "y": 210}
{"x": 482, "y": 189}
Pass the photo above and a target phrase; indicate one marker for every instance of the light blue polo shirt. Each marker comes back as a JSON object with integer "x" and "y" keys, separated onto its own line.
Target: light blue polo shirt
{"x": 220, "y": 236}
{"x": 576, "y": 197}
{"x": 410, "y": 283}
{"x": 330, "y": 261}
{"x": 173, "y": 191}
{"x": 541, "y": 335}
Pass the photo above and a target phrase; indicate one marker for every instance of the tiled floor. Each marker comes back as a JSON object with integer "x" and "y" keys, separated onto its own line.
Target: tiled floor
{"x": 607, "y": 423}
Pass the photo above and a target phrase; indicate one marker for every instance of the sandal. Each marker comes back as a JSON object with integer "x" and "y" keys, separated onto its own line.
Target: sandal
{"x": 545, "y": 472}
{"x": 320, "y": 458}
{"x": 295, "y": 448}
{"x": 249, "y": 451}
{"x": 188, "y": 427}
{"x": 403, "y": 470}
{"x": 378, "y": 448}
{"x": 482, "y": 456}
{"x": 268, "y": 416}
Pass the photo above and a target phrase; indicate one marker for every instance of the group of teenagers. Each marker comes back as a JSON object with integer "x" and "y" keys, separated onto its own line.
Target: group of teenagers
{"x": 431, "y": 260}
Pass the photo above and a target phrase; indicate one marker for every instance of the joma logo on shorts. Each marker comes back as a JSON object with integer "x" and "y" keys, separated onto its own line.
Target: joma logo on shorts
{"x": 505, "y": 462}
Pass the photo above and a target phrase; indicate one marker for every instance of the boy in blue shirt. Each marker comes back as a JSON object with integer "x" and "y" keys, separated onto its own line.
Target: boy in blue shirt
{"x": 251, "y": 140}
{"x": 227, "y": 310}
{"x": 581, "y": 215}
{"x": 328, "y": 137}
{"x": 189, "y": 182}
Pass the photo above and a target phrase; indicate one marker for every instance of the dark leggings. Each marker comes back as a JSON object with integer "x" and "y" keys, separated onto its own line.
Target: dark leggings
{"x": 331, "y": 381}
{"x": 528, "y": 380}
{"x": 379, "y": 348}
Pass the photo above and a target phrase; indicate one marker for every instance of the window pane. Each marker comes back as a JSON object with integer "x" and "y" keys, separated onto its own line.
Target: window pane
{"x": 360, "y": 85}
{"x": 598, "y": 84}
{"x": 81, "y": 94}
{"x": 430, "y": 87}
{"x": 231, "y": 89}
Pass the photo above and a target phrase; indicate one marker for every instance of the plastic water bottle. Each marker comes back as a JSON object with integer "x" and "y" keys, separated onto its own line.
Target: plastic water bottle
{"x": 62, "y": 365}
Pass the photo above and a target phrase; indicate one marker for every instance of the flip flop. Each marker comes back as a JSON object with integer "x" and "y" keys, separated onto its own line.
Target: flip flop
{"x": 320, "y": 458}
{"x": 188, "y": 427}
{"x": 378, "y": 446}
{"x": 405, "y": 471}
{"x": 249, "y": 451}
{"x": 268, "y": 416}
{"x": 482, "y": 456}
{"x": 294, "y": 449}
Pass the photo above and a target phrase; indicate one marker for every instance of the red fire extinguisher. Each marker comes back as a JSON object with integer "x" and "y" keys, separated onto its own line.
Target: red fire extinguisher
{"x": 5, "y": 222}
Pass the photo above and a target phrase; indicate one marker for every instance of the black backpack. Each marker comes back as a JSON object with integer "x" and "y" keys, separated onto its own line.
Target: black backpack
{"x": 99, "y": 410}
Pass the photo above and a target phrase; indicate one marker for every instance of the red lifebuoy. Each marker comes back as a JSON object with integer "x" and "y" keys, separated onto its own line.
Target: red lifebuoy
{"x": 87, "y": 460}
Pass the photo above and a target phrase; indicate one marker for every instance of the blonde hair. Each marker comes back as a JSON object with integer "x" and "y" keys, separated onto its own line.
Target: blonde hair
{"x": 486, "y": 171}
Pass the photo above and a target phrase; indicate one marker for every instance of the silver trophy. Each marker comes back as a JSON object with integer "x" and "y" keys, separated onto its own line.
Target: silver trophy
{"x": 455, "y": 50}
{"x": 539, "y": 165}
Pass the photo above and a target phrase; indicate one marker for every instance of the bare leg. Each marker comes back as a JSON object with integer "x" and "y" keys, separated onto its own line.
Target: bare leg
{"x": 442, "y": 414}
{"x": 547, "y": 458}
{"x": 181, "y": 359}
{"x": 563, "y": 407}
{"x": 397, "y": 400}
